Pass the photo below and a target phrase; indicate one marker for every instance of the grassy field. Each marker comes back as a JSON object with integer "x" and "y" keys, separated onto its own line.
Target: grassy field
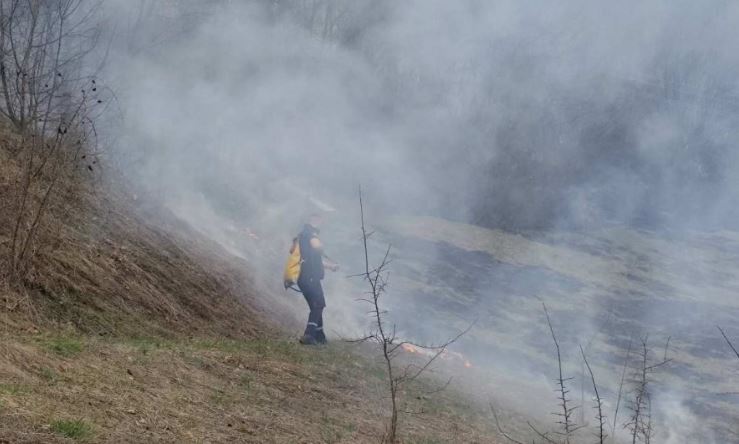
{"x": 71, "y": 388}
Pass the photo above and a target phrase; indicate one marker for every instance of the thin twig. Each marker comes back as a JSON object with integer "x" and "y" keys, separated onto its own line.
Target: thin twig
{"x": 566, "y": 411}
{"x": 728, "y": 341}
{"x": 599, "y": 402}
{"x": 621, "y": 386}
{"x": 500, "y": 429}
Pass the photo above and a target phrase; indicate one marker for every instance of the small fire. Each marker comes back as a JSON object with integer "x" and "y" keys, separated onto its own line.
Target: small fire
{"x": 409, "y": 348}
{"x": 445, "y": 354}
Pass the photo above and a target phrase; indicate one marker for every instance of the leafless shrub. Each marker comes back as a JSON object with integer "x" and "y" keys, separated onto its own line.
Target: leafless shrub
{"x": 565, "y": 416}
{"x": 640, "y": 421}
{"x": 52, "y": 105}
{"x": 385, "y": 337}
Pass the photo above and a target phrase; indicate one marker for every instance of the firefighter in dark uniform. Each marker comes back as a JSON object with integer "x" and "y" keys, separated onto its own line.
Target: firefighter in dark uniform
{"x": 309, "y": 281}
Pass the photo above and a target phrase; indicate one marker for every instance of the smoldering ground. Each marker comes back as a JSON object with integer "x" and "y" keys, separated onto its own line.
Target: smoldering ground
{"x": 573, "y": 124}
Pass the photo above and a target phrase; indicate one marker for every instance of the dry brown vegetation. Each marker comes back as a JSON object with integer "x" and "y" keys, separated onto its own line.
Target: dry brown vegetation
{"x": 130, "y": 327}
{"x": 104, "y": 267}
{"x": 208, "y": 390}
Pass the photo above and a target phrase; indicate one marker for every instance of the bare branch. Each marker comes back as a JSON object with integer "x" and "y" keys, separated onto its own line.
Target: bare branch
{"x": 566, "y": 422}
{"x": 500, "y": 429}
{"x": 621, "y": 386}
{"x": 599, "y": 402}
{"x": 726, "y": 338}
{"x": 377, "y": 279}
{"x": 541, "y": 435}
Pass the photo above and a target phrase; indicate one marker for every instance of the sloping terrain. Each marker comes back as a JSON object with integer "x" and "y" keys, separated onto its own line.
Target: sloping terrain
{"x": 131, "y": 327}
{"x": 64, "y": 388}
{"x": 107, "y": 266}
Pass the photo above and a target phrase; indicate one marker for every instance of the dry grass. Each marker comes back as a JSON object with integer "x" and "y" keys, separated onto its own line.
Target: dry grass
{"x": 129, "y": 327}
{"x": 209, "y": 390}
{"x": 107, "y": 266}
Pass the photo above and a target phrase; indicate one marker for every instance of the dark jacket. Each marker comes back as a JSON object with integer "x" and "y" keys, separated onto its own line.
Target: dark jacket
{"x": 312, "y": 267}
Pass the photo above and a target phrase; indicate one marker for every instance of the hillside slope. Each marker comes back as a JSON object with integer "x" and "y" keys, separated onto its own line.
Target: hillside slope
{"x": 131, "y": 327}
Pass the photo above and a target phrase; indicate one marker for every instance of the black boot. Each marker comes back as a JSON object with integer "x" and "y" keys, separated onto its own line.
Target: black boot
{"x": 308, "y": 340}
{"x": 309, "y": 336}
{"x": 321, "y": 337}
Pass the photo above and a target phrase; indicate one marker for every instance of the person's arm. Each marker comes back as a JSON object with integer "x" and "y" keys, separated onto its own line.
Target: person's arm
{"x": 327, "y": 262}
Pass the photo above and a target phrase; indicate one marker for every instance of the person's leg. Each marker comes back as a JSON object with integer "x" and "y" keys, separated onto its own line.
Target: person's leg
{"x": 313, "y": 294}
{"x": 314, "y": 319}
{"x": 319, "y": 303}
{"x": 320, "y": 335}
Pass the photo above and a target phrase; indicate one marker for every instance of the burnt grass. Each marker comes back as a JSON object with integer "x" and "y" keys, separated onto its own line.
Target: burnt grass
{"x": 459, "y": 284}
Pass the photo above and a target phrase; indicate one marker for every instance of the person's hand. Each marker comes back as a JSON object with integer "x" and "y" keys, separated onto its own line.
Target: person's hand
{"x": 334, "y": 267}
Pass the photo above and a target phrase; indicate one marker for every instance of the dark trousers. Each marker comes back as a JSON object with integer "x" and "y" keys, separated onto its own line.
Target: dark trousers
{"x": 313, "y": 293}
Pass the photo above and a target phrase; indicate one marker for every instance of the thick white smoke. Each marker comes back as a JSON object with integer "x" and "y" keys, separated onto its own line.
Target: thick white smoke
{"x": 518, "y": 115}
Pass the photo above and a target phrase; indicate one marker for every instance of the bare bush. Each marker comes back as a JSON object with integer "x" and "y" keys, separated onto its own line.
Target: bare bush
{"x": 52, "y": 101}
{"x": 385, "y": 336}
{"x": 640, "y": 422}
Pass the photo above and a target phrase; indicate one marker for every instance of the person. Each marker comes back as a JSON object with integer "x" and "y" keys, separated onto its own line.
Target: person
{"x": 309, "y": 281}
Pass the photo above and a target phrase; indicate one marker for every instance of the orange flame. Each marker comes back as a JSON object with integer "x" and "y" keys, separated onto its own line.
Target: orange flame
{"x": 445, "y": 354}
{"x": 409, "y": 348}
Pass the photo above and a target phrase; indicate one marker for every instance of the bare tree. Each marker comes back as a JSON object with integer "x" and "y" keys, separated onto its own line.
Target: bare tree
{"x": 51, "y": 103}
{"x": 385, "y": 337}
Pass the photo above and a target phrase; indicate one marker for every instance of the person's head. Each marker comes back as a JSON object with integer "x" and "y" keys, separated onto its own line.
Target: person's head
{"x": 315, "y": 220}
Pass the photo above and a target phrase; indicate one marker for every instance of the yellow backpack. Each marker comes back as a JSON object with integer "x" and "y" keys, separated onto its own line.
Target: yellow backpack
{"x": 292, "y": 267}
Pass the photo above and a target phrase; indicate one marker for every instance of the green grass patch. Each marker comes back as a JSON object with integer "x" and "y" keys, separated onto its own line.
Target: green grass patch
{"x": 333, "y": 430}
{"x": 74, "y": 429}
{"x": 290, "y": 351}
{"x": 48, "y": 374}
{"x": 146, "y": 345}
{"x": 221, "y": 397}
{"x": 246, "y": 381}
{"x": 64, "y": 346}
{"x": 426, "y": 440}
{"x": 12, "y": 389}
